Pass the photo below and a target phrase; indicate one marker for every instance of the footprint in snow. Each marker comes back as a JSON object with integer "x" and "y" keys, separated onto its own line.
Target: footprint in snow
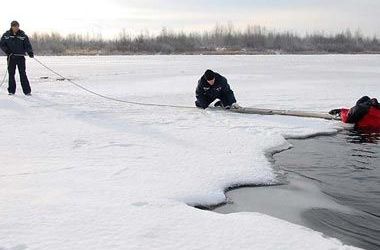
{"x": 79, "y": 143}
{"x": 140, "y": 204}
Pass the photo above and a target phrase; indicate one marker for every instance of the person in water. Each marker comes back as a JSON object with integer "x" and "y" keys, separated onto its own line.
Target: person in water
{"x": 15, "y": 44}
{"x": 366, "y": 113}
{"x": 213, "y": 86}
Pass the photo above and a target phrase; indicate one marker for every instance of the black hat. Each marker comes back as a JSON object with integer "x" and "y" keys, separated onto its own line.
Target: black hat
{"x": 374, "y": 102}
{"x": 14, "y": 23}
{"x": 209, "y": 75}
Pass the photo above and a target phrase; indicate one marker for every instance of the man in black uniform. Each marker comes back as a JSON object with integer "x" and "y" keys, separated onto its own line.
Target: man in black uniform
{"x": 15, "y": 43}
{"x": 213, "y": 86}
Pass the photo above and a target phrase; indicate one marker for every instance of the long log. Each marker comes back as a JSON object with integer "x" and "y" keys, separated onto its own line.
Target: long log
{"x": 259, "y": 111}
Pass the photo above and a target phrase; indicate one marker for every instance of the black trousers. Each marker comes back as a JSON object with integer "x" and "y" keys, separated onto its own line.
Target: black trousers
{"x": 19, "y": 62}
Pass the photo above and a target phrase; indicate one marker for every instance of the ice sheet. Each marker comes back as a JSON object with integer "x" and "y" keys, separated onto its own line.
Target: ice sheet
{"x": 79, "y": 172}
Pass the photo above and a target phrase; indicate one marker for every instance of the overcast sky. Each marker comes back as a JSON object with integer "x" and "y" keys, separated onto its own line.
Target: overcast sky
{"x": 109, "y": 17}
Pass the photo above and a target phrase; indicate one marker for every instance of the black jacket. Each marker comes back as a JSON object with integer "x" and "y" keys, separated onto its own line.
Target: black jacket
{"x": 360, "y": 110}
{"x": 15, "y": 44}
{"x": 206, "y": 93}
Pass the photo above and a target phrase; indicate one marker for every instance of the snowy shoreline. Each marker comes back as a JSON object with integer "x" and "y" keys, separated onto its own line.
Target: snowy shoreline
{"x": 270, "y": 156}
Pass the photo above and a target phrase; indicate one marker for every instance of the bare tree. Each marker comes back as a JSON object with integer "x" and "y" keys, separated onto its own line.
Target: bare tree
{"x": 223, "y": 39}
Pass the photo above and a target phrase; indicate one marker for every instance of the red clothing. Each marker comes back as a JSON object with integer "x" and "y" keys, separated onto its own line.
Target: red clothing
{"x": 370, "y": 121}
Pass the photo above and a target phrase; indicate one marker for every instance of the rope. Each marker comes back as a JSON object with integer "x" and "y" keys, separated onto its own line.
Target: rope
{"x": 5, "y": 77}
{"x": 108, "y": 97}
{"x": 6, "y": 71}
{"x": 242, "y": 110}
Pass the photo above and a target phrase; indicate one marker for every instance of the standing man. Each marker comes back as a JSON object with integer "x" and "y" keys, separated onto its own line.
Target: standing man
{"x": 15, "y": 43}
{"x": 211, "y": 87}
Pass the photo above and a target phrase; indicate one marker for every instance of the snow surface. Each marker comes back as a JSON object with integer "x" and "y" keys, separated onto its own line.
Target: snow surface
{"x": 80, "y": 172}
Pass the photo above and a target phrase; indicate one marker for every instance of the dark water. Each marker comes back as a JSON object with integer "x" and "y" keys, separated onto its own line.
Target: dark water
{"x": 333, "y": 186}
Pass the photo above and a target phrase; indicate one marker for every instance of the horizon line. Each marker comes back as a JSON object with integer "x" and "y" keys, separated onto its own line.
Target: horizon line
{"x": 223, "y": 28}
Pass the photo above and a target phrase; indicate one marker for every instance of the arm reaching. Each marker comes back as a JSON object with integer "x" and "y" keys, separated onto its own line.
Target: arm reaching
{"x": 201, "y": 101}
{"x": 228, "y": 94}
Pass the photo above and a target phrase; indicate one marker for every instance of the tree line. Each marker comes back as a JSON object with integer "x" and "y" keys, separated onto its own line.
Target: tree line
{"x": 223, "y": 39}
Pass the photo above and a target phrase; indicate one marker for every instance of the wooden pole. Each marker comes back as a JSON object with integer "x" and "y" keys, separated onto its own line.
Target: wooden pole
{"x": 305, "y": 114}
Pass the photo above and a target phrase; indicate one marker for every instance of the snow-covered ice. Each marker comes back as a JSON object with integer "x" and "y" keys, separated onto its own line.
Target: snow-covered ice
{"x": 81, "y": 172}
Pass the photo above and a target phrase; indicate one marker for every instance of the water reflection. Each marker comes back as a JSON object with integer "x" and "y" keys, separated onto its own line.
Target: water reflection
{"x": 348, "y": 167}
{"x": 347, "y": 170}
{"x": 363, "y": 136}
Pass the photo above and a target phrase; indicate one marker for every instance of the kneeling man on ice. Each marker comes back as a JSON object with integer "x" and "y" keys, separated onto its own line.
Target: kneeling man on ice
{"x": 213, "y": 86}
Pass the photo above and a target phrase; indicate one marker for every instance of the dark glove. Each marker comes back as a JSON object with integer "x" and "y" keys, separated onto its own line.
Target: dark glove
{"x": 335, "y": 112}
{"x": 31, "y": 54}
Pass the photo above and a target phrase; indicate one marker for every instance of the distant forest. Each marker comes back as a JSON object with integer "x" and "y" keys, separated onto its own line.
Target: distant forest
{"x": 223, "y": 39}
